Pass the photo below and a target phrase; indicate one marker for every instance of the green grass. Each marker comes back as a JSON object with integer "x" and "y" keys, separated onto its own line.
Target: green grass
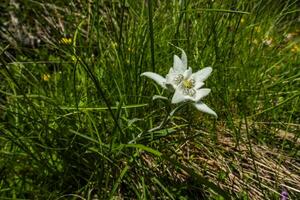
{"x": 78, "y": 122}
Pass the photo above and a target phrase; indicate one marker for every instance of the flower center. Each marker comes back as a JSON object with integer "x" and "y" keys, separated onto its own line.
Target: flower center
{"x": 187, "y": 86}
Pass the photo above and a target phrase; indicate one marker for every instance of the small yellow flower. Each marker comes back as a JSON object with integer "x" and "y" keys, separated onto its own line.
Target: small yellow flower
{"x": 257, "y": 29}
{"x": 242, "y": 20}
{"x": 114, "y": 45}
{"x": 130, "y": 49}
{"x": 295, "y": 48}
{"x": 65, "y": 40}
{"x": 74, "y": 59}
{"x": 255, "y": 41}
{"x": 46, "y": 77}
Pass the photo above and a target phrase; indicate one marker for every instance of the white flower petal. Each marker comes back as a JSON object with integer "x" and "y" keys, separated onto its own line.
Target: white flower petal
{"x": 156, "y": 77}
{"x": 187, "y": 73}
{"x": 171, "y": 70}
{"x": 178, "y": 66}
{"x": 184, "y": 59}
{"x": 201, "y": 93}
{"x": 178, "y": 96}
{"x": 170, "y": 76}
{"x": 171, "y": 79}
{"x": 202, "y": 74}
{"x": 198, "y": 85}
{"x": 204, "y": 108}
{"x": 189, "y": 98}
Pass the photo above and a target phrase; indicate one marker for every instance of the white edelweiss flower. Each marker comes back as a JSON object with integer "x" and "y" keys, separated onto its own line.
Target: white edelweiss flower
{"x": 187, "y": 85}
{"x": 175, "y": 75}
{"x": 190, "y": 89}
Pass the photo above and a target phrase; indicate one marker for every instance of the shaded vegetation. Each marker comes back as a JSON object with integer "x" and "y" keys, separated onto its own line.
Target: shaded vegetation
{"x": 76, "y": 117}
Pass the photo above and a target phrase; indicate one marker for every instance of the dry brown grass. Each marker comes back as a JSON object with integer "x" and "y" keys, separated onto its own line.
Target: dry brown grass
{"x": 259, "y": 169}
{"x": 262, "y": 171}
